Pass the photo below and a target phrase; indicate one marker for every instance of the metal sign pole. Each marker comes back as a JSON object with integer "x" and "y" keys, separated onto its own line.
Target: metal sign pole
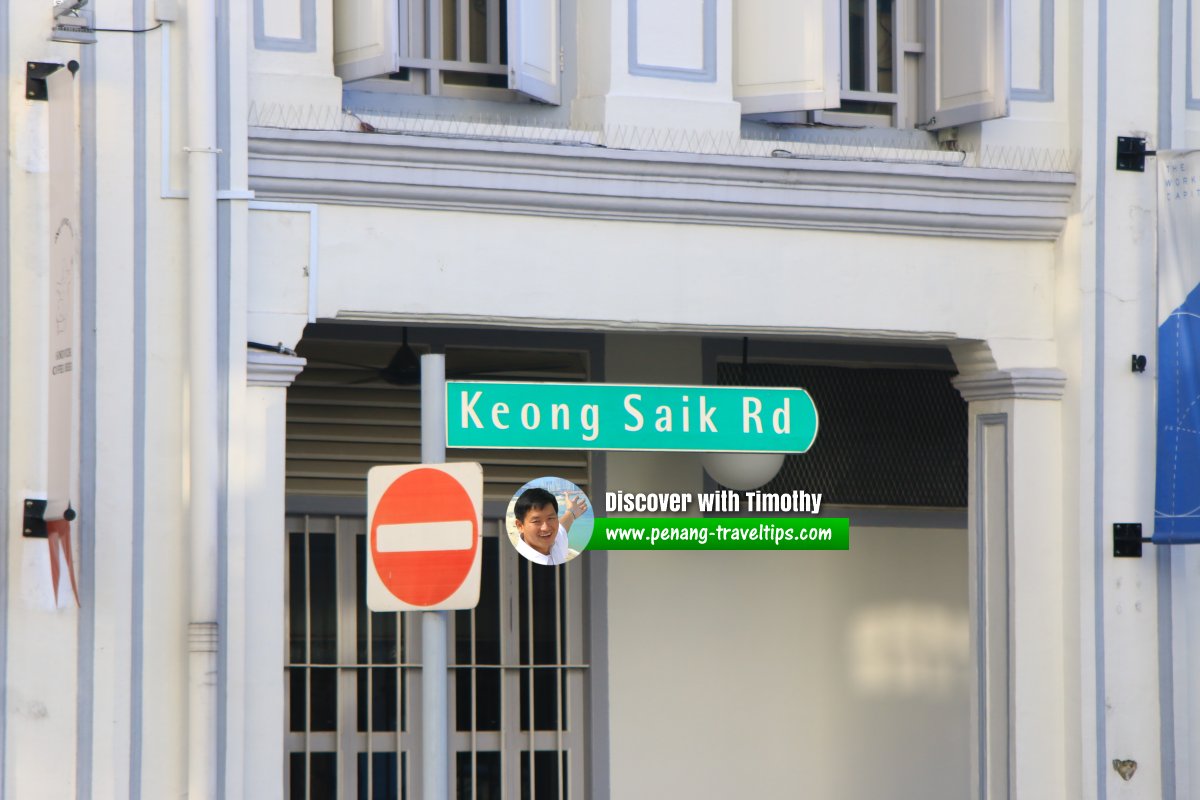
{"x": 435, "y": 735}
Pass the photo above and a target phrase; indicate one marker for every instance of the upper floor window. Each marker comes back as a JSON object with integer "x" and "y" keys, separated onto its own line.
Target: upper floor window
{"x": 930, "y": 64}
{"x": 909, "y": 63}
{"x": 871, "y": 58}
{"x": 451, "y": 47}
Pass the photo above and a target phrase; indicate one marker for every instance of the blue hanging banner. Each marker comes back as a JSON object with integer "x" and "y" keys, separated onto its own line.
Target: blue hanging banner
{"x": 1177, "y": 484}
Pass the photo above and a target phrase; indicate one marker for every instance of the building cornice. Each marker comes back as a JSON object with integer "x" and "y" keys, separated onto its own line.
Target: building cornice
{"x": 565, "y": 180}
{"x": 272, "y": 369}
{"x": 1014, "y": 384}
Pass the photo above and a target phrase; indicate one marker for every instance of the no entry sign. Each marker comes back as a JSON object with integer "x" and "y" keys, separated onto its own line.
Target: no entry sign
{"x": 424, "y": 524}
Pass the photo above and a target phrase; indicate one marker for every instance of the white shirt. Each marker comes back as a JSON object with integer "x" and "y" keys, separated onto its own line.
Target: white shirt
{"x": 558, "y": 551}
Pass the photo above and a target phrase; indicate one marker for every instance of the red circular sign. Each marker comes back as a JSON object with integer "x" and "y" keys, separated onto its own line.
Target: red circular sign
{"x": 424, "y": 578}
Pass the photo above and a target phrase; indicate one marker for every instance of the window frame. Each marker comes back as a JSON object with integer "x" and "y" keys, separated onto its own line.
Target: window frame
{"x": 523, "y": 47}
{"x": 931, "y": 39}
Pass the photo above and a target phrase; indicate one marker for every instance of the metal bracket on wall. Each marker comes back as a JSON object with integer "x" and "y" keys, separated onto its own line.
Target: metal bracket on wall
{"x": 1131, "y": 153}
{"x": 34, "y": 519}
{"x": 36, "y": 73}
{"x": 1127, "y": 540}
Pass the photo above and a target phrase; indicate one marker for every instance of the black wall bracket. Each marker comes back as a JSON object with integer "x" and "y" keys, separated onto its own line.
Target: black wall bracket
{"x": 36, "y": 73}
{"x": 1127, "y": 540}
{"x": 1131, "y": 153}
{"x": 34, "y": 524}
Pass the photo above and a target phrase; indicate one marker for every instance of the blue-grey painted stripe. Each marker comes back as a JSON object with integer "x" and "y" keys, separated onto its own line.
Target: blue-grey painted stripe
{"x": 981, "y": 662}
{"x": 1045, "y": 91}
{"x": 224, "y": 219}
{"x": 1166, "y": 673}
{"x": 85, "y": 659}
{"x": 987, "y": 488}
{"x": 707, "y": 73}
{"x": 1166, "y": 622}
{"x": 307, "y": 43}
{"x": 224, "y": 265}
{"x": 137, "y": 545}
{"x": 1166, "y": 82}
{"x": 1010, "y": 645}
{"x": 1098, "y": 544}
{"x": 5, "y": 366}
{"x": 1191, "y": 99}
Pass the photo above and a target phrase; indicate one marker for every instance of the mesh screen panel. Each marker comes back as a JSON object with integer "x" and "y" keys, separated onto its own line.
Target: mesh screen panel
{"x": 890, "y": 437}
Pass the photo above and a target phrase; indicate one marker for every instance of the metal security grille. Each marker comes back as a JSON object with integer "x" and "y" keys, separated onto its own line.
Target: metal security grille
{"x": 354, "y": 677}
{"x": 454, "y": 42}
{"x": 890, "y": 437}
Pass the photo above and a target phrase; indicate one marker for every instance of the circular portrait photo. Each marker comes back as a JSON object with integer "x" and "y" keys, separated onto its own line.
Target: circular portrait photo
{"x": 550, "y": 520}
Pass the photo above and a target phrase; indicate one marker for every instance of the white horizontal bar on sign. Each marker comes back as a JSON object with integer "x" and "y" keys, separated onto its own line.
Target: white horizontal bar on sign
{"x": 418, "y": 537}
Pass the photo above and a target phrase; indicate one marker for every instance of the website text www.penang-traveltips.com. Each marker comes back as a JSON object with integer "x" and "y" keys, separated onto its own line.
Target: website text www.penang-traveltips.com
{"x": 762, "y": 532}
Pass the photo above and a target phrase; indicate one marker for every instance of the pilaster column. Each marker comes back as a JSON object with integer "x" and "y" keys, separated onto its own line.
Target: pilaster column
{"x": 1015, "y": 519}
{"x": 256, "y": 577}
{"x": 647, "y": 69}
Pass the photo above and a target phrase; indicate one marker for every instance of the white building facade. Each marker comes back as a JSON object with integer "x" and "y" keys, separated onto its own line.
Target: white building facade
{"x": 273, "y": 198}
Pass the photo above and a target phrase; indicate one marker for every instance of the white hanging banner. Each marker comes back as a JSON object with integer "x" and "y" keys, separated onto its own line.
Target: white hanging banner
{"x": 1177, "y": 480}
{"x": 62, "y": 456}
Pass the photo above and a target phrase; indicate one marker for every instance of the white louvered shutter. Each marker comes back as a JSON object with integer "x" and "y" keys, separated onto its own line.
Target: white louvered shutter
{"x": 366, "y": 38}
{"x": 786, "y": 55}
{"x": 968, "y": 67}
{"x": 533, "y": 49}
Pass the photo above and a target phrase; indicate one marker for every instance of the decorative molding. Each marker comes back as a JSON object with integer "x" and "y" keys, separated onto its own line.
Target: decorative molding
{"x": 598, "y": 183}
{"x": 307, "y": 43}
{"x": 991, "y": 603}
{"x": 707, "y": 72}
{"x": 499, "y": 321}
{"x": 1044, "y": 93}
{"x": 972, "y": 357}
{"x": 1015, "y": 384}
{"x": 264, "y": 368}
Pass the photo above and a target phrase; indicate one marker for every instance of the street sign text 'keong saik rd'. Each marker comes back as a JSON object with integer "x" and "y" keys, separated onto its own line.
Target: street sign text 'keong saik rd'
{"x": 606, "y": 416}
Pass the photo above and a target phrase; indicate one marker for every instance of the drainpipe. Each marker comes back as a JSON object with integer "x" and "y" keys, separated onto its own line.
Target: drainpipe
{"x": 203, "y": 635}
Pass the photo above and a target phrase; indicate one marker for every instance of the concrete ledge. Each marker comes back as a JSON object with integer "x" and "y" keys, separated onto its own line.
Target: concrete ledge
{"x": 572, "y": 180}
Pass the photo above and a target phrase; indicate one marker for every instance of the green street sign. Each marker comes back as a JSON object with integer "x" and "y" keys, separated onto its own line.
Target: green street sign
{"x": 607, "y": 416}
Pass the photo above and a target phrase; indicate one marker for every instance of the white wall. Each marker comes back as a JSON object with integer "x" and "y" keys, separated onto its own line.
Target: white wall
{"x": 52, "y": 687}
{"x": 737, "y": 674}
{"x": 538, "y": 271}
{"x": 802, "y": 674}
{"x": 1040, "y": 298}
{"x": 41, "y": 680}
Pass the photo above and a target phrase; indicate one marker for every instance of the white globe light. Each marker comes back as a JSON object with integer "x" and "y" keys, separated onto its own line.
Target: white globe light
{"x": 743, "y": 470}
